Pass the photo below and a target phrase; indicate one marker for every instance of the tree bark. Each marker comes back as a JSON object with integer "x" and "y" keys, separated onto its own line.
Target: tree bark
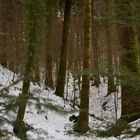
{"x": 3, "y": 32}
{"x": 95, "y": 34}
{"x": 129, "y": 64}
{"x": 82, "y": 125}
{"x": 63, "y": 58}
{"x": 32, "y": 23}
{"x": 109, "y": 39}
{"x": 49, "y": 67}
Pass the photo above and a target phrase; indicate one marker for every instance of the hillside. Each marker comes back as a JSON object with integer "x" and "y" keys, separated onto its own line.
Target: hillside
{"x": 48, "y": 115}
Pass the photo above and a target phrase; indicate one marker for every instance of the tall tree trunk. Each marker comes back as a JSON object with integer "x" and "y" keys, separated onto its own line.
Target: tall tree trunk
{"x": 49, "y": 67}
{"x": 32, "y": 23}
{"x": 129, "y": 60}
{"x": 109, "y": 39}
{"x": 63, "y": 58}
{"x": 95, "y": 33}
{"x": 82, "y": 125}
{"x": 129, "y": 63}
{"x": 3, "y": 32}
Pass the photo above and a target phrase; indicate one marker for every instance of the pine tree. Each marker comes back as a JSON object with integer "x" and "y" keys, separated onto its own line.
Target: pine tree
{"x": 82, "y": 125}
{"x": 109, "y": 38}
{"x": 51, "y": 11}
{"x": 129, "y": 61}
{"x": 4, "y": 6}
{"x": 33, "y": 10}
{"x": 63, "y": 56}
{"x": 95, "y": 44}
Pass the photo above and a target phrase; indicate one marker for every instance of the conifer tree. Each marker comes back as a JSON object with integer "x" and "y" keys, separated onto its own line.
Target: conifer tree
{"x": 110, "y": 45}
{"x": 4, "y": 6}
{"x": 95, "y": 44}
{"x": 129, "y": 61}
{"x": 63, "y": 56}
{"x": 51, "y": 11}
{"x": 83, "y": 119}
{"x": 33, "y": 12}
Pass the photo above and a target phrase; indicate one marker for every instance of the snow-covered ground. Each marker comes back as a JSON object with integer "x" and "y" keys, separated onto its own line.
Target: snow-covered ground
{"x": 49, "y": 117}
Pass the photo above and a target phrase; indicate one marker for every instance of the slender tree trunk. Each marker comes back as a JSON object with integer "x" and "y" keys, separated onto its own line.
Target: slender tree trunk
{"x": 49, "y": 67}
{"x": 3, "y": 32}
{"x": 36, "y": 78}
{"x": 32, "y": 22}
{"x": 63, "y": 58}
{"x": 82, "y": 125}
{"x": 19, "y": 124}
{"x": 49, "y": 78}
{"x": 95, "y": 43}
{"x": 109, "y": 39}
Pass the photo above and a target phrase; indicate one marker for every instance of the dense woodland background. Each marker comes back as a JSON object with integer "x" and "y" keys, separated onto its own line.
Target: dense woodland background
{"x": 45, "y": 41}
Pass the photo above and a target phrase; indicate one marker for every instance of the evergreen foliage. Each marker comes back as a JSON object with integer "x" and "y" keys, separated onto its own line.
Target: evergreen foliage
{"x": 116, "y": 42}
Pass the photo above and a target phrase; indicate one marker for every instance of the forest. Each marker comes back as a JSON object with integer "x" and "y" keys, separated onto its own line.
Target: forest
{"x": 69, "y": 70}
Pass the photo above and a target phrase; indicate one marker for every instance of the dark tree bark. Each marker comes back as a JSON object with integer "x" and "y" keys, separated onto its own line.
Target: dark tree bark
{"x": 63, "y": 57}
{"x": 49, "y": 61}
{"x": 3, "y": 32}
{"x": 32, "y": 23}
{"x": 129, "y": 60}
{"x": 83, "y": 119}
{"x": 109, "y": 39}
{"x": 95, "y": 34}
{"x": 36, "y": 78}
{"x": 129, "y": 63}
{"x": 49, "y": 68}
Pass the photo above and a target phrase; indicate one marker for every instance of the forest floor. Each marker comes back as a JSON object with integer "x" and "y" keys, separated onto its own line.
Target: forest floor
{"x": 49, "y": 115}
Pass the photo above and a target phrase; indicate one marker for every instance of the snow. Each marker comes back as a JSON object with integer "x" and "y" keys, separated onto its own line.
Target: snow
{"x": 50, "y": 120}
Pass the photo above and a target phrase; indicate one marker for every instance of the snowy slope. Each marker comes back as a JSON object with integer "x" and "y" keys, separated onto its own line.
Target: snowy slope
{"x": 50, "y": 121}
